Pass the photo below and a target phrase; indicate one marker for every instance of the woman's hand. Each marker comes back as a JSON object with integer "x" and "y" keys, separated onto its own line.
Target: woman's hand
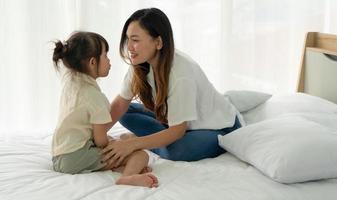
{"x": 116, "y": 151}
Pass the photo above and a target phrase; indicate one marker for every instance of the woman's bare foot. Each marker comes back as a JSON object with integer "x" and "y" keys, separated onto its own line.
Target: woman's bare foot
{"x": 145, "y": 180}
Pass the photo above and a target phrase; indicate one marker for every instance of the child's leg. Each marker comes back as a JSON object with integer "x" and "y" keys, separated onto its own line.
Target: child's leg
{"x": 129, "y": 135}
{"x": 135, "y": 164}
{"x": 120, "y": 169}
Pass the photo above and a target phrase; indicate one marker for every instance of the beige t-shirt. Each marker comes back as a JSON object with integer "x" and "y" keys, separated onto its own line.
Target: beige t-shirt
{"x": 82, "y": 104}
{"x": 191, "y": 96}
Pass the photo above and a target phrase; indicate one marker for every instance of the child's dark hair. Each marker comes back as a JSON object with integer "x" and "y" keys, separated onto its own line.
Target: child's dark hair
{"x": 78, "y": 49}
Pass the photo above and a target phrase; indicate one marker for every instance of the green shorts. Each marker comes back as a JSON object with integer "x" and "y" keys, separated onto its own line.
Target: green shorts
{"x": 85, "y": 160}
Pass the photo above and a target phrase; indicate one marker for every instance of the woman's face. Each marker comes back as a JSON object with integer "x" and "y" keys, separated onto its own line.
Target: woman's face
{"x": 141, "y": 46}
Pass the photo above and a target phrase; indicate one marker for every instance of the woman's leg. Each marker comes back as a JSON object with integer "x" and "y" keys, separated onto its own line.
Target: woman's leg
{"x": 195, "y": 145}
{"x": 142, "y": 122}
{"x": 199, "y": 144}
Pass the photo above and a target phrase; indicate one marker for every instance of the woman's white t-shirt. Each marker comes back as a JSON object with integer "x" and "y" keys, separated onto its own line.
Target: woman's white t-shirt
{"x": 191, "y": 96}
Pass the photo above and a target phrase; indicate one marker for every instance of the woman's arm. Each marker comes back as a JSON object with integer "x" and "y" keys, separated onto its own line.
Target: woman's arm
{"x": 159, "y": 139}
{"x": 118, "y": 107}
{"x": 118, "y": 150}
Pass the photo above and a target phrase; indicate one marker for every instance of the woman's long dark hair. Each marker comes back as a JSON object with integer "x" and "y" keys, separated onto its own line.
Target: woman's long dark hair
{"x": 156, "y": 23}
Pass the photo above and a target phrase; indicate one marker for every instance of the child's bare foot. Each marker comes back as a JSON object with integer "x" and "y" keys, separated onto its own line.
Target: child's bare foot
{"x": 154, "y": 179}
{"x": 146, "y": 169}
{"x": 145, "y": 180}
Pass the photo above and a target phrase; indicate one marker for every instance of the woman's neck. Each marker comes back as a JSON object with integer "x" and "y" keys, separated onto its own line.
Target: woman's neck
{"x": 154, "y": 60}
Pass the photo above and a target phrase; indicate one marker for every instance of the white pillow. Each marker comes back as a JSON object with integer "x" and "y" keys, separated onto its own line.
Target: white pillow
{"x": 290, "y": 103}
{"x": 245, "y": 100}
{"x": 288, "y": 149}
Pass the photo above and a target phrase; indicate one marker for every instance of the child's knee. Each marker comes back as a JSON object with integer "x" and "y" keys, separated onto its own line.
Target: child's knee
{"x": 141, "y": 153}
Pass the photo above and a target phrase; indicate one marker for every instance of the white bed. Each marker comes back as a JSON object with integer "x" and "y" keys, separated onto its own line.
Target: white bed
{"x": 26, "y": 171}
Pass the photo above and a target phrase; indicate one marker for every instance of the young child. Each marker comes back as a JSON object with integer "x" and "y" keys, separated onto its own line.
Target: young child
{"x": 84, "y": 117}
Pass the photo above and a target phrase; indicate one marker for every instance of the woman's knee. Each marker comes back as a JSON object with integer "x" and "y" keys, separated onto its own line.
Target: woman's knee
{"x": 135, "y": 107}
{"x": 124, "y": 119}
{"x": 196, "y": 145}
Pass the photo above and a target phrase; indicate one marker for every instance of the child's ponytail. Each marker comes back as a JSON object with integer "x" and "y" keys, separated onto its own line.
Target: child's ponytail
{"x": 58, "y": 54}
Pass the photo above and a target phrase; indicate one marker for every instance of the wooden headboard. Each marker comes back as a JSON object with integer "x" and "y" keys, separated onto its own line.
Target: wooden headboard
{"x": 318, "y": 74}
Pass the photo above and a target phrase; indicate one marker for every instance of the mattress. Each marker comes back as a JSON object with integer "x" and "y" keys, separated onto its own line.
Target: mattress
{"x": 26, "y": 173}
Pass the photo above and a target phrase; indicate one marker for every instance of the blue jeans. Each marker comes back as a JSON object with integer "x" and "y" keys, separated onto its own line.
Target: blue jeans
{"x": 194, "y": 145}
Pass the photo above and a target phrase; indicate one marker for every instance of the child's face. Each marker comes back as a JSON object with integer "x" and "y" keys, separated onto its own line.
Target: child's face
{"x": 104, "y": 64}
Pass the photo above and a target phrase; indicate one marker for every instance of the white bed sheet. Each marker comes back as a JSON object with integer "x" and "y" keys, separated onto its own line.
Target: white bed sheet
{"x": 26, "y": 173}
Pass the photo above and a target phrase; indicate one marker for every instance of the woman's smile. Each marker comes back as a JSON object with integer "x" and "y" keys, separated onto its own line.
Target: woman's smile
{"x": 133, "y": 55}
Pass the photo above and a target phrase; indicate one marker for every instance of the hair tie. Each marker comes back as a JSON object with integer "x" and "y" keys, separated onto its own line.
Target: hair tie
{"x": 64, "y": 48}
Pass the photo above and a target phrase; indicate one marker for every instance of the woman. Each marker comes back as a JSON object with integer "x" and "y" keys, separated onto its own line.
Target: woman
{"x": 181, "y": 113}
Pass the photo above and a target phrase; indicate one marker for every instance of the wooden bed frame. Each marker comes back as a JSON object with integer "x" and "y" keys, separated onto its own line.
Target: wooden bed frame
{"x": 318, "y": 73}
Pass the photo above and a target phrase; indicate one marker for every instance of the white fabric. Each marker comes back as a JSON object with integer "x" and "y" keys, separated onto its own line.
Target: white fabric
{"x": 289, "y": 103}
{"x": 82, "y": 104}
{"x": 126, "y": 92}
{"x": 245, "y": 100}
{"x": 26, "y": 173}
{"x": 191, "y": 96}
{"x": 152, "y": 157}
{"x": 289, "y": 148}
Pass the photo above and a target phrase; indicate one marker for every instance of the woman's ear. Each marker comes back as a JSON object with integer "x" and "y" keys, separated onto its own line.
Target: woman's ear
{"x": 159, "y": 43}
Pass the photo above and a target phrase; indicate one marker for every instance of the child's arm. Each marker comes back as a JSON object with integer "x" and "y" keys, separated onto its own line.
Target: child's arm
{"x": 100, "y": 134}
{"x": 119, "y": 106}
